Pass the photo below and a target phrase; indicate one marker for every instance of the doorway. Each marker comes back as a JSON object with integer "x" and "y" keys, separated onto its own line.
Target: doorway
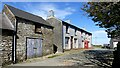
{"x": 86, "y": 44}
{"x": 34, "y": 47}
{"x": 71, "y": 42}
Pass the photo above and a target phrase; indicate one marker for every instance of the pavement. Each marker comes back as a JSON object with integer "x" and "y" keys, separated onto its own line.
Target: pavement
{"x": 78, "y": 58}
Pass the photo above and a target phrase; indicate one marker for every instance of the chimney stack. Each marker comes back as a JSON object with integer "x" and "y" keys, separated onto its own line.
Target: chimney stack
{"x": 50, "y": 14}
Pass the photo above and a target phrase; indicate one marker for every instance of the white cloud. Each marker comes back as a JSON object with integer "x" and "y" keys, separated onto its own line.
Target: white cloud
{"x": 100, "y": 37}
{"x": 43, "y": 8}
{"x": 99, "y": 31}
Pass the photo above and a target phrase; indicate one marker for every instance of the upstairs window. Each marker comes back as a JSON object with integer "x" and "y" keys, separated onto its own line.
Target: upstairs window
{"x": 38, "y": 29}
{"x": 67, "y": 31}
{"x": 75, "y": 31}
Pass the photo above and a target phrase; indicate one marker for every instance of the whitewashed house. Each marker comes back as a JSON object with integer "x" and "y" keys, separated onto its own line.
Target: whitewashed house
{"x": 113, "y": 43}
{"x": 74, "y": 37}
{"x": 68, "y": 36}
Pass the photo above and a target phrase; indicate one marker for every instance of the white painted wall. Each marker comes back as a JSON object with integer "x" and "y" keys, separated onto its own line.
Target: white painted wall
{"x": 79, "y": 43}
{"x": 115, "y": 44}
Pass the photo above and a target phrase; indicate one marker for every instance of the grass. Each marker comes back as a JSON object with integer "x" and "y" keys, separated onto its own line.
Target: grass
{"x": 98, "y": 46}
{"x": 53, "y": 56}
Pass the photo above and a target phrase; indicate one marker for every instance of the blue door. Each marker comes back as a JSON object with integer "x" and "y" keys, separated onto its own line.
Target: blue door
{"x": 34, "y": 47}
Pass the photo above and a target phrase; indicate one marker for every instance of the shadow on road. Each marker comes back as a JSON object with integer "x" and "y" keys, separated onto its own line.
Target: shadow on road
{"x": 102, "y": 58}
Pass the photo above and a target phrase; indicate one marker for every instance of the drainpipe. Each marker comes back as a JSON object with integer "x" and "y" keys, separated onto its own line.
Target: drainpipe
{"x": 14, "y": 43}
{"x": 62, "y": 38}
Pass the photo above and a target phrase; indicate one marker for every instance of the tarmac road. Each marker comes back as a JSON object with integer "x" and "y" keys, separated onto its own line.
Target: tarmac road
{"x": 74, "y": 59}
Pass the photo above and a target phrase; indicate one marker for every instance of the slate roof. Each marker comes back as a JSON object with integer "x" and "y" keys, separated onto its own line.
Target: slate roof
{"x": 5, "y": 23}
{"x": 76, "y": 27}
{"x": 28, "y": 16}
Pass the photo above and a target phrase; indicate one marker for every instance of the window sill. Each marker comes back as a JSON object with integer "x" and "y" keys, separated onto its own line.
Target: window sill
{"x": 67, "y": 33}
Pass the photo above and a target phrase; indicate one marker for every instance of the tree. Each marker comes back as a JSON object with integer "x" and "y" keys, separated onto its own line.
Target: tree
{"x": 105, "y": 15}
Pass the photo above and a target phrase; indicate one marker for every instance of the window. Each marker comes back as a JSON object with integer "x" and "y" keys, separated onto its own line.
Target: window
{"x": 66, "y": 40}
{"x": 75, "y": 31}
{"x": 66, "y": 29}
{"x": 38, "y": 29}
{"x": 75, "y": 40}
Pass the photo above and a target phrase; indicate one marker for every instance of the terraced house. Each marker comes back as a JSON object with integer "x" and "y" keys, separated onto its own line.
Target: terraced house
{"x": 68, "y": 36}
{"x": 30, "y": 36}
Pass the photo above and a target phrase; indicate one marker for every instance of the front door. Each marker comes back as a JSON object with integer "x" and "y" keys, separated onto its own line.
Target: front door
{"x": 86, "y": 44}
{"x": 34, "y": 47}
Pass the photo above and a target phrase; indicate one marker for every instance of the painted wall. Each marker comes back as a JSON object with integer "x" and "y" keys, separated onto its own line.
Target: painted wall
{"x": 113, "y": 43}
{"x": 83, "y": 38}
{"x": 76, "y": 35}
{"x": 90, "y": 41}
{"x": 86, "y": 37}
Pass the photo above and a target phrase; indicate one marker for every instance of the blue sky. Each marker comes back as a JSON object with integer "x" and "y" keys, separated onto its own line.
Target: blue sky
{"x": 65, "y": 11}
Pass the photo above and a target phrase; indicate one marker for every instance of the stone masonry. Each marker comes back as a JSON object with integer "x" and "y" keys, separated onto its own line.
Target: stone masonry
{"x": 6, "y": 47}
{"x": 25, "y": 28}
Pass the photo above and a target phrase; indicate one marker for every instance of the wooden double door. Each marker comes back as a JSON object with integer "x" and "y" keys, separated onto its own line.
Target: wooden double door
{"x": 34, "y": 47}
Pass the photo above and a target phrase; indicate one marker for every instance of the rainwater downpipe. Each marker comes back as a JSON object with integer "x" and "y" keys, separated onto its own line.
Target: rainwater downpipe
{"x": 14, "y": 42}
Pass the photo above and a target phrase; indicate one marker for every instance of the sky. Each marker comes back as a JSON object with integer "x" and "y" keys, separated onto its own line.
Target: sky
{"x": 65, "y": 11}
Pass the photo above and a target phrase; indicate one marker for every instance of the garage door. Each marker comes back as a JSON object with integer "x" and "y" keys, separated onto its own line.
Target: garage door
{"x": 34, "y": 47}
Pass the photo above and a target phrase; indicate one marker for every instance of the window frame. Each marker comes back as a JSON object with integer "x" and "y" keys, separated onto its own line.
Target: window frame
{"x": 67, "y": 40}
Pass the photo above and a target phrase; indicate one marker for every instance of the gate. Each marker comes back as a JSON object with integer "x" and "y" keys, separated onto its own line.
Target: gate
{"x": 34, "y": 47}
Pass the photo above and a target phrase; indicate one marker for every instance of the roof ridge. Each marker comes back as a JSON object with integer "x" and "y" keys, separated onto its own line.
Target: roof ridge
{"x": 77, "y": 27}
{"x": 28, "y": 16}
{"x": 22, "y": 10}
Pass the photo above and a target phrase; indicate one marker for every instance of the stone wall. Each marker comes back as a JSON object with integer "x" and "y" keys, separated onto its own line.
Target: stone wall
{"x": 27, "y": 29}
{"x": 58, "y": 35}
{"x": 47, "y": 44}
{"x": 6, "y": 47}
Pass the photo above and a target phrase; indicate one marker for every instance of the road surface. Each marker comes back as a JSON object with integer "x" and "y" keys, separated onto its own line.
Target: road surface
{"x": 99, "y": 58}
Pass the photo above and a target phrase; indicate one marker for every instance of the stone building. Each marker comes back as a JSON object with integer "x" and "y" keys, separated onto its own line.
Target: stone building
{"x": 68, "y": 36}
{"x": 6, "y": 33}
{"x": 32, "y": 36}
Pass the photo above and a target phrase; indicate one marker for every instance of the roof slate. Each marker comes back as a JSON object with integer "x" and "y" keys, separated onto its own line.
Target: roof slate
{"x": 28, "y": 16}
{"x": 76, "y": 27}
